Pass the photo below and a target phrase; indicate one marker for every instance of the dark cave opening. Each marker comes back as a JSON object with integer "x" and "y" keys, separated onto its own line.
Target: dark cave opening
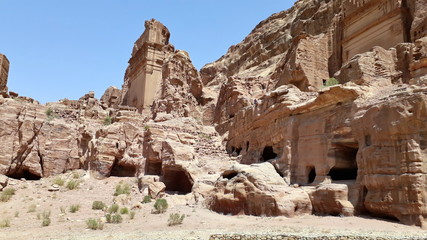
{"x": 25, "y": 173}
{"x": 268, "y": 154}
{"x": 153, "y": 168}
{"x": 311, "y": 175}
{"x": 346, "y": 165}
{"x": 123, "y": 171}
{"x": 177, "y": 180}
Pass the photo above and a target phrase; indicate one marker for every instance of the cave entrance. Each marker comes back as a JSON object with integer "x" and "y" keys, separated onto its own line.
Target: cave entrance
{"x": 345, "y": 163}
{"x": 24, "y": 173}
{"x": 123, "y": 171}
{"x": 268, "y": 154}
{"x": 311, "y": 174}
{"x": 153, "y": 168}
{"x": 177, "y": 180}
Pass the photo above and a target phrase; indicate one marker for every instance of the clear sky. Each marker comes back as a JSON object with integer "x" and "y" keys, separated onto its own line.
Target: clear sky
{"x": 66, "y": 48}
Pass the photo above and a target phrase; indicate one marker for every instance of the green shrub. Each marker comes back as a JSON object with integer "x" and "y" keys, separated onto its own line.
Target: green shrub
{"x": 132, "y": 215}
{"x": 124, "y": 210}
{"x": 74, "y": 208}
{"x": 72, "y": 184}
{"x": 146, "y": 127}
{"x": 147, "y": 199}
{"x": 175, "y": 219}
{"x": 45, "y": 218}
{"x": 50, "y": 114}
{"x": 116, "y": 218}
{"x": 94, "y": 224}
{"x": 58, "y": 181}
{"x": 7, "y": 194}
{"x": 331, "y": 82}
{"x": 108, "y": 120}
{"x": 32, "y": 208}
{"x": 4, "y": 223}
{"x": 160, "y": 205}
{"x": 98, "y": 205}
{"x": 76, "y": 174}
{"x": 122, "y": 188}
{"x": 113, "y": 209}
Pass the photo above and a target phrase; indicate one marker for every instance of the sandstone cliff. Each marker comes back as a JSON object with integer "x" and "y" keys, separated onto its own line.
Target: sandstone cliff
{"x": 315, "y": 111}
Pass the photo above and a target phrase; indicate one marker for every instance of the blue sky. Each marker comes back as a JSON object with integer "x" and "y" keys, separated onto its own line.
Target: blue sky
{"x": 66, "y": 48}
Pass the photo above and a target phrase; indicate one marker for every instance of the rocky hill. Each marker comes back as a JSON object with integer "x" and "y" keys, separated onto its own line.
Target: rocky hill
{"x": 321, "y": 109}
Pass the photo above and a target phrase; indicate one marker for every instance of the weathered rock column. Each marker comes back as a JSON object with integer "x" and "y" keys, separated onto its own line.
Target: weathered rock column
{"x": 4, "y": 72}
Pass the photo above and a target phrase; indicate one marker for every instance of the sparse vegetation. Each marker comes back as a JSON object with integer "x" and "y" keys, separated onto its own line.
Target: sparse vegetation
{"x": 72, "y": 184}
{"x": 7, "y": 194}
{"x": 113, "y": 209}
{"x": 58, "y": 181}
{"x": 98, "y": 205}
{"x": 62, "y": 209}
{"x": 32, "y": 208}
{"x": 4, "y": 223}
{"x": 124, "y": 210}
{"x": 132, "y": 215}
{"x": 76, "y": 174}
{"x": 45, "y": 218}
{"x": 122, "y": 188}
{"x": 147, "y": 199}
{"x": 331, "y": 82}
{"x": 16, "y": 214}
{"x": 74, "y": 208}
{"x": 175, "y": 219}
{"x": 160, "y": 206}
{"x": 146, "y": 127}
{"x": 116, "y": 218}
{"x": 50, "y": 114}
{"x": 94, "y": 224}
{"x": 108, "y": 120}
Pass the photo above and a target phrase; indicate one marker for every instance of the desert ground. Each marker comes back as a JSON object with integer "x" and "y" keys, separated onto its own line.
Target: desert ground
{"x": 25, "y": 210}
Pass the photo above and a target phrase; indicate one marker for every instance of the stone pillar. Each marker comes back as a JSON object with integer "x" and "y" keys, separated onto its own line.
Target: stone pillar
{"x": 4, "y": 72}
{"x": 144, "y": 74}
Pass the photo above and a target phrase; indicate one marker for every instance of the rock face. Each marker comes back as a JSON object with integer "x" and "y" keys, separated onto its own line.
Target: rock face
{"x": 4, "y": 72}
{"x": 243, "y": 134}
{"x": 257, "y": 190}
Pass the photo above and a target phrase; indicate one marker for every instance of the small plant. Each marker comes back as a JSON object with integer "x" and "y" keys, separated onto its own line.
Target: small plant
{"x": 147, "y": 199}
{"x": 98, "y": 205}
{"x": 175, "y": 219}
{"x": 7, "y": 194}
{"x": 132, "y": 215}
{"x": 16, "y": 214}
{"x": 122, "y": 188}
{"x": 45, "y": 218}
{"x": 58, "y": 181}
{"x": 113, "y": 209}
{"x": 4, "y": 223}
{"x": 160, "y": 205}
{"x": 146, "y": 127}
{"x": 32, "y": 208}
{"x": 331, "y": 82}
{"x": 94, "y": 224}
{"x": 108, "y": 120}
{"x": 62, "y": 209}
{"x": 74, "y": 208}
{"x": 124, "y": 210}
{"x": 50, "y": 114}
{"x": 72, "y": 184}
{"x": 76, "y": 174}
{"x": 116, "y": 218}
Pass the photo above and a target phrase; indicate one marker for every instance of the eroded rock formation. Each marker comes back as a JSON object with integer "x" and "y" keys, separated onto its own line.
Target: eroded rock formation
{"x": 259, "y": 131}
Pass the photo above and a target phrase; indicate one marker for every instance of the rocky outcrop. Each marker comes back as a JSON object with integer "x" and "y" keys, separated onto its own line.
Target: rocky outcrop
{"x": 331, "y": 199}
{"x": 257, "y": 190}
{"x": 4, "y": 72}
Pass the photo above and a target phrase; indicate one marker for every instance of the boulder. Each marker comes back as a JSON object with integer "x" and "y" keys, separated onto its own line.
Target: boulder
{"x": 257, "y": 190}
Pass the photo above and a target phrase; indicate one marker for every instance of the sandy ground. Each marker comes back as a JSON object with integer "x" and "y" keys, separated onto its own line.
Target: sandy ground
{"x": 199, "y": 223}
